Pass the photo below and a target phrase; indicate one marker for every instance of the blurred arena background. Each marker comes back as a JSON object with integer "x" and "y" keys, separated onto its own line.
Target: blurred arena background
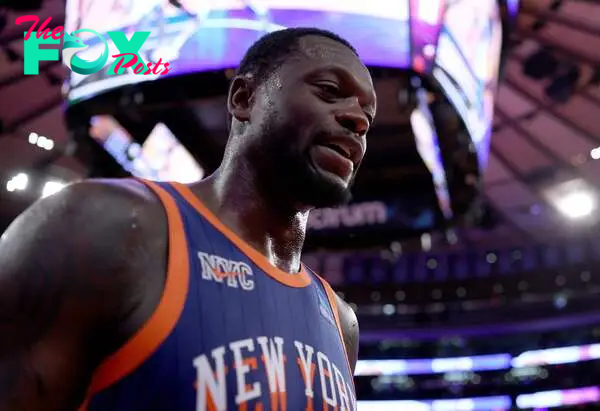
{"x": 471, "y": 251}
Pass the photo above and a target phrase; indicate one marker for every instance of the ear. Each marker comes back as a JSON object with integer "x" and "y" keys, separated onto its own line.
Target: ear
{"x": 241, "y": 97}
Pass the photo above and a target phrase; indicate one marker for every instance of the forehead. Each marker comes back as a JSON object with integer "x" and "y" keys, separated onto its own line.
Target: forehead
{"x": 324, "y": 49}
{"x": 319, "y": 53}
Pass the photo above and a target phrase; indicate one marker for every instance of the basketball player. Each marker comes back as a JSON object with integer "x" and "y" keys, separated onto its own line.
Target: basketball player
{"x": 140, "y": 296}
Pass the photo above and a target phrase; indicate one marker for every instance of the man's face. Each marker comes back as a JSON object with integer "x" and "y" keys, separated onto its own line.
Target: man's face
{"x": 313, "y": 115}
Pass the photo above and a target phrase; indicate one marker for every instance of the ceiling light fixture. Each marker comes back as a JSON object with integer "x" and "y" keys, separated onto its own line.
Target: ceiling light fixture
{"x": 595, "y": 153}
{"x": 52, "y": 187}
{"x": 575, "y": 199}
{"x": 18, "y": 182}
{"x": 577, "y": 205}
{"x": 41, "y": 141}
{"x": 33, "y": 138}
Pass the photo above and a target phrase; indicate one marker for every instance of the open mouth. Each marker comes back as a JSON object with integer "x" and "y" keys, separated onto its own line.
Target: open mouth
{"x": 342, "y": 151}
{"x": 333, "y": 159}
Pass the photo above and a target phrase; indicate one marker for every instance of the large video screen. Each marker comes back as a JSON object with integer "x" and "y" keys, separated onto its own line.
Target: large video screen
{"x": 457, "y": 41}
{"x": 467, "y": 64}
{"x": 201, "y": 35}
{"x": 160, "y": 158}
{"x": 425, "y": 23}
{"x": 428, "y": 148}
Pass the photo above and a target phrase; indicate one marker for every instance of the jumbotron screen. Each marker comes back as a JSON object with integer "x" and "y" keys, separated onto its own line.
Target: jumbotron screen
{"x": 203, "y": 35}
{"x": 467, "y": 64}
{"x": 458, "y": 42}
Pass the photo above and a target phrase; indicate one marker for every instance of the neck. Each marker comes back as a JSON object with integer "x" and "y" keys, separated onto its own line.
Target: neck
{"x": 236, "y": 197}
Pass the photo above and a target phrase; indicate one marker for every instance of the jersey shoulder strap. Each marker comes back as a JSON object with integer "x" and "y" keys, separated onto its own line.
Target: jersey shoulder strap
{"x": 332, "y": 298}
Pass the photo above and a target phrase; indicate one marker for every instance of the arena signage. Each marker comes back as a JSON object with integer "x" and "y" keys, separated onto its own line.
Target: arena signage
{"x": 354, "y": 215}
{"x": 128, "y": 56}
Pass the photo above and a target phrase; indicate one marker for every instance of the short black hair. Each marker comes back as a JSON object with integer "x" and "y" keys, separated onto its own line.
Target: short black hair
{"x": 271, "y": 50}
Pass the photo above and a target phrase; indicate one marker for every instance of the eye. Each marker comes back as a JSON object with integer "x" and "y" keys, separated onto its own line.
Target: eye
{"x": 328, "y": 90}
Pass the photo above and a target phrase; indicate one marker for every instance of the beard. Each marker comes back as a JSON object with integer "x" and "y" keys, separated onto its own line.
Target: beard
{"x": 307, "y": 184}
{"x": 289, "y": 172}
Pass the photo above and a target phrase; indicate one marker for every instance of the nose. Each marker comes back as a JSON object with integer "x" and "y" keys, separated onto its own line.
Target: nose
{"x": 353, "y": 119}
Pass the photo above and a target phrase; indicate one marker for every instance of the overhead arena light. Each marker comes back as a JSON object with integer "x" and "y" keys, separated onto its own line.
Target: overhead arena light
{"x": 18, "y": 182}
{"x": 595, "y": 153}
{"x": 577, "y": 205}
{"x": 41, "y": 141}
{"x": 52, "y": 187}
{"x": 574, "y": 199}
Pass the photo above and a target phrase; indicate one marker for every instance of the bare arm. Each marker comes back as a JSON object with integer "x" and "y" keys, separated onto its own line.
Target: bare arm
{"x": 65, "y": 290}
{"x": 350, "y": 330}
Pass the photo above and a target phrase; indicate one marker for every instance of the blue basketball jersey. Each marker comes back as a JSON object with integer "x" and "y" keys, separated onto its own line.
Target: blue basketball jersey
{"x": 231, "y": 331}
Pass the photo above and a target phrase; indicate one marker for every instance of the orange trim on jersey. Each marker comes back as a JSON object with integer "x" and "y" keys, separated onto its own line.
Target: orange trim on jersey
{"x": 158, "y": 327}
{"x": 298, "y": 280}
{"x": 336, "y": 315}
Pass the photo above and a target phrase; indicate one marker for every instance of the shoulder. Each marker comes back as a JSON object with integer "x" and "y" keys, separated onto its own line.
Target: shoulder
{"x": 348, "y": 324}
{"x": 85, "y": 264}
{"x": 348, "y": 320}
{"x": 346, "y": 311}
{"x": 98, "y": 240}
{"x": 108, "y": 206}
{"x": 94, "y": 214}
{"x": 126, "y": 197}
{"x": 99, "y": 198}
{"x": 350, "y": 330}
{"x": 92, "y": 225}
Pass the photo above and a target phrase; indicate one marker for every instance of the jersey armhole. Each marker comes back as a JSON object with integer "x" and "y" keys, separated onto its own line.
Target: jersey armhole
{"x": 336, "y": 315}
{"x": 166, "y": 315}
